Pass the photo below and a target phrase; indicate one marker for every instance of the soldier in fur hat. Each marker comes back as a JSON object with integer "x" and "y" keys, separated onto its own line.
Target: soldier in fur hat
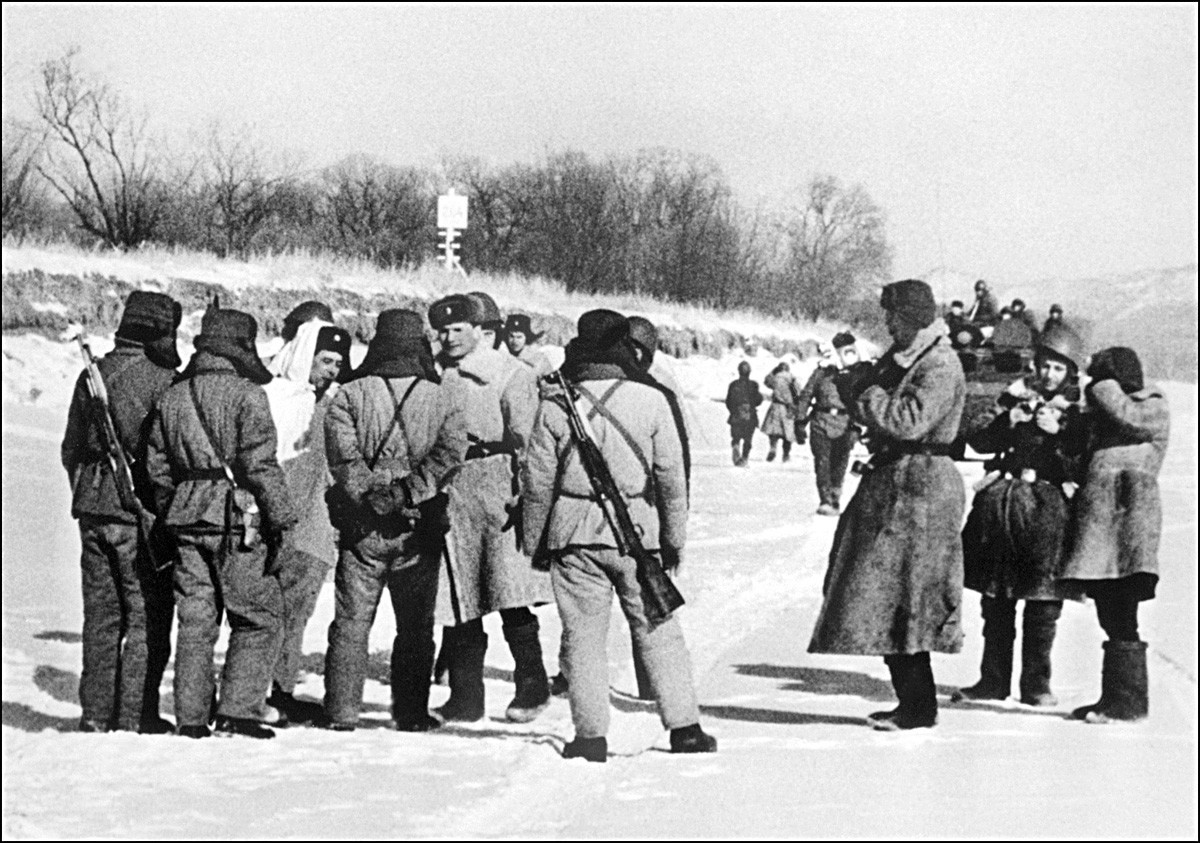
{"x": 639, "y": 440}
{"x": 1118, "y": 523}
{"x": 306, "y": 371}
{"x": 218, "y": 486}
{"x": 127, "y": 605}
{"x": 894, "y": 584}
{"x": 486, "y": 572}
{"x": 519, "y": 338}
{"x": 393, "y": 435}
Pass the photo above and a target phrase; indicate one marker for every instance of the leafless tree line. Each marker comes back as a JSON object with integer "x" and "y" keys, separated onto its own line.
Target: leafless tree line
{"x": 657, "y": 222}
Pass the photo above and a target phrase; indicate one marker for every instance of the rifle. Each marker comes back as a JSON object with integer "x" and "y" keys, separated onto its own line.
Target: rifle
{"x": 118, "y": 461}
{"x": 660, "y": 597}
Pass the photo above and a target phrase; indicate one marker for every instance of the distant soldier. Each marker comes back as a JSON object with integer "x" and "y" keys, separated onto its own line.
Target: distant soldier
{"x": 1118, "y": 517}
{"x": 985, "y": 310}
{"x": 519, "y": 337}
{"x": 392, "y": 435}
{"x": 219, "y": 487}
{"x": 742, "y": 400}
{"x": 1055, "y": 318}
{"x": 832, "y": 436}
{"x": 126, "y": 603}
{"x": 306, "y": 370}
{"x": 894, "y": 584}
{"x": 780, "y": 422}
{"x": 1014, "y": 538}
{"x": 486, "y": 573}
{"x": 1022, "y": 315}
{"x": 638, "y": 438}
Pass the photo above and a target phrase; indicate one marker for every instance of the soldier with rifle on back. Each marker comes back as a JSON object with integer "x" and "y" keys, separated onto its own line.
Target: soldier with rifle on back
{"x": 127, "y": 604}
{"x": 605, "y": 500}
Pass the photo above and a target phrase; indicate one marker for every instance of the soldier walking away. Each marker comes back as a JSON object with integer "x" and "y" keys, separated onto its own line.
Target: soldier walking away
{"x": 306, "y": 370}
{"x": 485, "y": 571}
{"x": 519, "y": 338}
{"x": 742, "y": 400}
{"x": 127, "y": 605}
{"x": 1013, "y": 542}
{"x": 780, "y": 422}
{"x": 1118, "y": 516}
{"x": 832, "y": 436}
{"x": 632, "y": 425}
{"x": 985, "y": 311}
{"x": 219, "y": 488}
{"x": 392, "y": 436}
{"x": 894, "y": 583}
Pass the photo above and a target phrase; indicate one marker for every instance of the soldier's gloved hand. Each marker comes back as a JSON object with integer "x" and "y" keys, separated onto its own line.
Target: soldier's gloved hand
{"x": 672, "y": 558}
{"x": 386, "y": 500}
{"x": 515, "y": 512}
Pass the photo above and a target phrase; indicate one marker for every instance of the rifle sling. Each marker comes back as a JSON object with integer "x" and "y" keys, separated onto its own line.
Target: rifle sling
{"x": 599, "y": 409}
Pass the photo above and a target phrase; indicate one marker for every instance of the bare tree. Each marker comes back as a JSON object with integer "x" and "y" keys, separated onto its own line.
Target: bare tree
{"x": 376, "y": 211}
{"x": 837, "y": 247}
{"x": 241, "y": 189}
{"x": 23, "y": 148}
{"x": 99, "y": 159}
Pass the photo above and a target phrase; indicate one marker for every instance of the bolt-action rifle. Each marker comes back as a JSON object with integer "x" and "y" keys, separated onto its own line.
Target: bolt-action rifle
{"x": 118, "y": 460}
{"x": 660, "y": 597}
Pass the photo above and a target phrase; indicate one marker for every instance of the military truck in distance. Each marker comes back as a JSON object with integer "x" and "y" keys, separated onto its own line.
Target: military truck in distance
{"x": 990, "y": 365}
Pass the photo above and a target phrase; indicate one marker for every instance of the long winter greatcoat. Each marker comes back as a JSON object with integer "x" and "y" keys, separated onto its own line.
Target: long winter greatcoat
{"x": 486, "y": 572}
{"x": 1118, "y": 511}
{"x": 785, "y": 399}
{"x": 894, "y": 583}
{"x": 742, "y": 400}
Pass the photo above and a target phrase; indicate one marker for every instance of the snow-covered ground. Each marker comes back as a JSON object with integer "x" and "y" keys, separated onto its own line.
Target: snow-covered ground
{"x": 795, "y": 759}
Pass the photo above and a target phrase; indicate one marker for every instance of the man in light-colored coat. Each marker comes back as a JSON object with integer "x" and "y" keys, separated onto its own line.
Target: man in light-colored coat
{"x": 1118, "y": 514}
{"x": 780, "y": 422}
{"x": 637, "y": 435}
{"x": 485, "y": 571}
{"x": 305, "y": 370}
{"x": 392, "y": 435}
{"x": 894, "y": 584}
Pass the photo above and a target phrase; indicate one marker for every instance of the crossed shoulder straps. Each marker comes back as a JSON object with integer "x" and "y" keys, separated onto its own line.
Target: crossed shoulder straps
{"x": 599, "y": 408}
{"x": 397, "y": 419}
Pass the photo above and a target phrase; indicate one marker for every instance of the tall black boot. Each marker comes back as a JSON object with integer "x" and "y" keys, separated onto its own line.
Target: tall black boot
{"x": 1039, "y": 626}
{"x": 918, "y": 695}
{"x": 412, "y": 660}
{"x": 736, "y": 453}
{"x": 995, "y": 669}
{"x": 1126, "y": 694}
{"x": 746, "y": 452}
{"x": 529, "y": 675}
{"x": 466, "y": 673}
{"x": 899, "y": 670}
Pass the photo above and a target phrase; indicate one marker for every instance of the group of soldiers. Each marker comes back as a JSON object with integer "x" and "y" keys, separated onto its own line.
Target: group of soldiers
{"x": 817, "y": 406}
{"x": 1068, "y": 507}
{"x": 461, "y": 482}
{"x": 450, "y": 478}
{"x": 970, "y": 327}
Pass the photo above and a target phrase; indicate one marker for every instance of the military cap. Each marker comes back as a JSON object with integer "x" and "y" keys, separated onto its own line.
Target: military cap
{"x": 454, "y": 308}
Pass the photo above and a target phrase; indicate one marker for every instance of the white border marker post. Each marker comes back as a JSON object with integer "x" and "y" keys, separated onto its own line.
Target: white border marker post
{"x": 452, "y": 219}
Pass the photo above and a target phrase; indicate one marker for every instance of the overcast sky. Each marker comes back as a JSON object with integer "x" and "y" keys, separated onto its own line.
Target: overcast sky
{"x": 1012, "y": 143}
